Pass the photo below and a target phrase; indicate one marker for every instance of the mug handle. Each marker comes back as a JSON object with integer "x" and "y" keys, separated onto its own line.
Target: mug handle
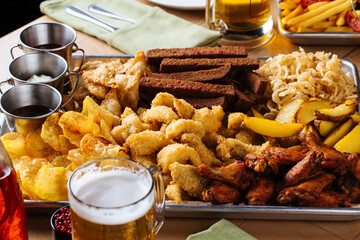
{"x": 11, "y": 50}
{"x": 159, "y": 197}
{"x": 8, "y": 81}
{"x": 73, "y": 91}
{"x": 76, "y": 48}
{"x": 219, "y": 26}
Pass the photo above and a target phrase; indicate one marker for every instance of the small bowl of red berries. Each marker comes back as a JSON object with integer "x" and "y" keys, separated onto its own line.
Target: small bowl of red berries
{"x": 61, "y": 224}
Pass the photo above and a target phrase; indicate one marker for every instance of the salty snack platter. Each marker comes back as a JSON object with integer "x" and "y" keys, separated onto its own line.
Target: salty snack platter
{"x": 201, "y": 209}
{"x": 317, "y": 38}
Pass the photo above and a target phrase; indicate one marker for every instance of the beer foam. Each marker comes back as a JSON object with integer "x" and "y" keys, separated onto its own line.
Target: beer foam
{"x": 114, "y": 191}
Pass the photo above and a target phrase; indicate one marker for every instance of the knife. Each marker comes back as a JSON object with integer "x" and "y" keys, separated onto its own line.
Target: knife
{"x": 78, "y": 12}
{"x": 102, "y": 11}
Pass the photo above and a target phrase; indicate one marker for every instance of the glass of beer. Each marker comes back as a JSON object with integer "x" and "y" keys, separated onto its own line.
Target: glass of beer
{"x": 242, "y": 22}
{"x": 116, "y": 198}
{"x": 13, "y": 224}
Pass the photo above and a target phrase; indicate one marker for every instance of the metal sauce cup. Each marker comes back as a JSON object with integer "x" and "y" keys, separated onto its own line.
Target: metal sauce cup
{"x": 22, "y": 68}
{"x": 29, "y": 95}
{"x": 50, "y": 37}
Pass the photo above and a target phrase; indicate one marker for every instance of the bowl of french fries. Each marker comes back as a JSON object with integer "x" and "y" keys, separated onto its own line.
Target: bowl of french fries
{"x": 313, "y": 22}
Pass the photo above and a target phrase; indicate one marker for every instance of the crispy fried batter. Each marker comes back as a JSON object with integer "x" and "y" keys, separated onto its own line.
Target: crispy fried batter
{"x": 188, "y": 178}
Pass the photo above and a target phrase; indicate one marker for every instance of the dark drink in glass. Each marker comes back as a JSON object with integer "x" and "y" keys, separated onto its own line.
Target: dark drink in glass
{"x": 12, "y": 213}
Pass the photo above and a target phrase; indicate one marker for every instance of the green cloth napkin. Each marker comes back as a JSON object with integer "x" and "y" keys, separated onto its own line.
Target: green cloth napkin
{"x": 155, "y": 27}
{"x": 221, "y": 230}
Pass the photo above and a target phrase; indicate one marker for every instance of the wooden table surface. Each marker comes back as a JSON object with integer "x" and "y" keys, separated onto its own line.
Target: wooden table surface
{"x": 180, "y": 228}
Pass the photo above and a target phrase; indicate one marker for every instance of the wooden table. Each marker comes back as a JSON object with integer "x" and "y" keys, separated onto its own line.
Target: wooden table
{"x": 180, "y": 228}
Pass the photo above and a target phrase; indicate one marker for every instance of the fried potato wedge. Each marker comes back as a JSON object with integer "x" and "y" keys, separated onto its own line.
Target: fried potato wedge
{"x": 288, "y": 111}
{"x": 339, "y": 113}
{"x": 272, "y": 128}
{"x": 339, "y": 132}
{"x": 306, "y": 112}
{"x": 324, "y": 127}
{"x": 350, "y": 143}
{"x": 256, "y": 113}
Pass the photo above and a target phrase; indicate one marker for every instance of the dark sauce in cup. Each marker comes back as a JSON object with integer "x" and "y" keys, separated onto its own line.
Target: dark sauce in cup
{"x": 31, "y": 111}
{"x": 48, "y": 46}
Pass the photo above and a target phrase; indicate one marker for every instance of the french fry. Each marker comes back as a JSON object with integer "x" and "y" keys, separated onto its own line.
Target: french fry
{"x": 287, "y": 5}
{"x": 285, "y": 12}
{"x": 323, "y": 24}
{"x": 316, "y": 5}
{"x": 338, "y": 29}
{"x": 297, "y": 11}
{"x": 305, "y": 29}
{"x": 341, "y": 18}
{"x": 316, "y": 12}
{"x": 324, "y": 15}
{"x": 332, "y": 18}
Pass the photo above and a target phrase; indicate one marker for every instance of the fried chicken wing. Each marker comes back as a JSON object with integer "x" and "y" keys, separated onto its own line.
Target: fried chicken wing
{"x": 305, "y": 169}
{"x": 257, "y": 162}
{"x": 220, "y": 193}
{"x": 283, "y": 156}
{"x": 261, "y": 192}
{"x": 236, "y": 174}
{"x": 272, "y": 158}
{"x": 306, "y": 193}
{"x": 333, "y": 160}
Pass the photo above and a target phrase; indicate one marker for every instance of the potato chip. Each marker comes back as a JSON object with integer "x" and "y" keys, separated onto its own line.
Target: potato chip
{"x": 35, "y": 145}
{"x": 25, "y": 126}
{"x": 91, "y": 148}
{"x": 51, "y": 183}
{"x": 65, "y": 144}
{"x": 61, "y": 161}
{"x": 28, "y": 169}
{"x": 75, "y": 125}
{"x": 51, "y": 131}
{"x": 14, "y": 144}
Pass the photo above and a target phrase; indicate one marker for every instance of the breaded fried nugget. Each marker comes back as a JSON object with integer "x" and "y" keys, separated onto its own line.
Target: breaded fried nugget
{"x": 146, "y": 160}
{"x": 174, "y": 192}
{"x": 236, "y": 120}
{"x": 160, "y": 114}
{"x": 210, "y": 118}
{"x": 178, "y": 127}
{"x": 130, "y": 124}
{"x": 163, "y": 99}
{"x": 111, "y": 102}
{"x": 206, "y": 155}
{"x": 212, "y": 139}
{"x": 180, "y": 106}
{"x": 183, "y": 109}
{"x": 177, "y": 153}
{"x": 146, "y": 142}
{"x": 188, "y": 177}
{"x": 234, "y": 149}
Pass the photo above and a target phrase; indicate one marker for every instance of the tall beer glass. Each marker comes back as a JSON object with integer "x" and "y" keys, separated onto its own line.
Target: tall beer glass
{"x": 12, "y": 212}
{"x": 116, "y": 198}
{"x": 242, "y": 22}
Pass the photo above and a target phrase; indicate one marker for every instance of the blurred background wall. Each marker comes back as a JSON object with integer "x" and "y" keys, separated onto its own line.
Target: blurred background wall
{"x": 17, "y": 13}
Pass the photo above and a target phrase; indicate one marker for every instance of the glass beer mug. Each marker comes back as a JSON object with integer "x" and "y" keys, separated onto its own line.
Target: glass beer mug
{"x": 13, "y": 224}
{"x": 242, "y": 22}
{"x": 116, "y": 198}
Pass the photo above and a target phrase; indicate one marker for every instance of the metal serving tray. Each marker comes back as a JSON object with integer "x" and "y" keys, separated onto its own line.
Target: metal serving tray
{"x": 205, "y": 210}
{"x": 317, "y": 38}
